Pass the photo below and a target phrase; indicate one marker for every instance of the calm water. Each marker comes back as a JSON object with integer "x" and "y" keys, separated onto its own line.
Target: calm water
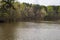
{"x": 29, "y": 31}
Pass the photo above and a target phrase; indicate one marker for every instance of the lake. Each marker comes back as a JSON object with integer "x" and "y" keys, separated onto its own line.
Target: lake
{"x": 29, "y": 31}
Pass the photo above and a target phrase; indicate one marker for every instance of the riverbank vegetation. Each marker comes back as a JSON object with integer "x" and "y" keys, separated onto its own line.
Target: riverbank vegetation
{"x": 11, "y": 11}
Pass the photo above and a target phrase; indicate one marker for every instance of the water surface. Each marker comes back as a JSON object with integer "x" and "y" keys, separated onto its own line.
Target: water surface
{"x": 29, "y": 31}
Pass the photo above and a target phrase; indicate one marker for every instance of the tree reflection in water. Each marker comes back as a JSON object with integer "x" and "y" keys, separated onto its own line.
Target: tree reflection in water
{"x": 7, "y": 31}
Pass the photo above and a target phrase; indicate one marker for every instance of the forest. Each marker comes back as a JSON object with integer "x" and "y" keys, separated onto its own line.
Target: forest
{"x": 11, "y": 11}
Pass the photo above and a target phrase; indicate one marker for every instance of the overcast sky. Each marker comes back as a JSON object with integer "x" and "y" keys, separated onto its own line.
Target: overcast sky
{"x": 42, "y": 2}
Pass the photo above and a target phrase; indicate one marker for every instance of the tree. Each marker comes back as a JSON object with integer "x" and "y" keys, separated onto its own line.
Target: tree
{"x": 5, "y": 9}
{"x": 7, "y": 4}
{"x": 58, "y": 11}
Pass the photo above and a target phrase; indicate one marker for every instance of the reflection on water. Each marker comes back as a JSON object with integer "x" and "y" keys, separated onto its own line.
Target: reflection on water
{"x": 7, "y": 31}
{"x": 29, "y": 31}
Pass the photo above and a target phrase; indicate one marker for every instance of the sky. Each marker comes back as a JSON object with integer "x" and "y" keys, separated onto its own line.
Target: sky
{"x": 42, "y": 2}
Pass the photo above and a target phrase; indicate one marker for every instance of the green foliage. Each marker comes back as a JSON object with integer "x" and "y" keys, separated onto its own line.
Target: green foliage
{"x": 59, "y": 9}
{"x": 11, "y": 10}
{"x": 49, "y": 9}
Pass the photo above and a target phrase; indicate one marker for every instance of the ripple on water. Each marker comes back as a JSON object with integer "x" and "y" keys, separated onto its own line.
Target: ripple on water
{"x": 30, "y": 31}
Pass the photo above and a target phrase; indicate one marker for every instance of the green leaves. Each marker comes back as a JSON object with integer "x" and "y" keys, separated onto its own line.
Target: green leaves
{"x": 49, "y": 8}
{"x": 59, "y": 9}
{"x": 15, "y": 10}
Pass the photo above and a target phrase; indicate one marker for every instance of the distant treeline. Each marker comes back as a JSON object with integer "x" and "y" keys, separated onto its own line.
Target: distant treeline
{"x": 15, "y": 11}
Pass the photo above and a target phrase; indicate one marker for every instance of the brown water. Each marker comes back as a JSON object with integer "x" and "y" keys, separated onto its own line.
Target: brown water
{"x": 29, "y": 31}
